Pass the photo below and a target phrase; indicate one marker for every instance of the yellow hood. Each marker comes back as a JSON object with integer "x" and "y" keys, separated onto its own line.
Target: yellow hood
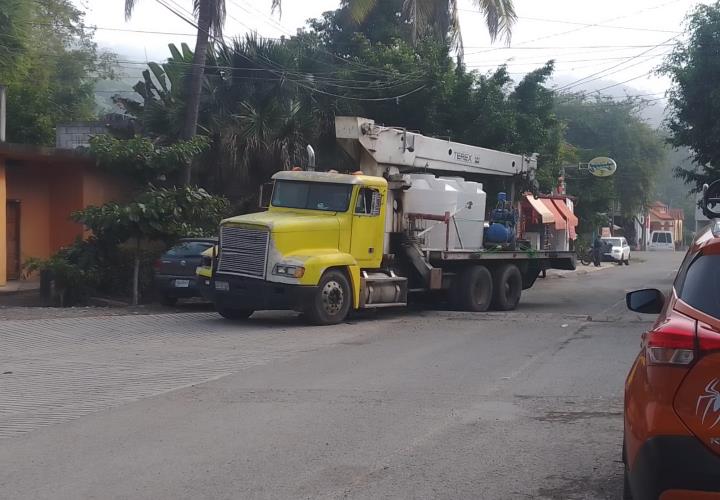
{"x": 289, "y": 222}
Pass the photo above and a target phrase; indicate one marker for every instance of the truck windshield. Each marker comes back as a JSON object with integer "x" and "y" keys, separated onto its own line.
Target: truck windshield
{"x": 312, "y": 195}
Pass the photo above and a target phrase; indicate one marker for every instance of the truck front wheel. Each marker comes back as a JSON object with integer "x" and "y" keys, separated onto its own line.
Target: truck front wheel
{"x": 473, "y": 290}
{"x": 507, "y": 284}
{"x": 331, "y": 302}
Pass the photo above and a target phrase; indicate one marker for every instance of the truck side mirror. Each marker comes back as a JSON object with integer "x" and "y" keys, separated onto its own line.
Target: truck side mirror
{"x": 265, "y": 195}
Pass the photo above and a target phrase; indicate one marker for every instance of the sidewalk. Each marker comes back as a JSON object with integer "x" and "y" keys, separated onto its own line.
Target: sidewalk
{"x": 580, "y": 270}
{"x": 20, "y": 286}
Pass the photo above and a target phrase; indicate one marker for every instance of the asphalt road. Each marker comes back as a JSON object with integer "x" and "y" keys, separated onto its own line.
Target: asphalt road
{"x": 412, "y": 404}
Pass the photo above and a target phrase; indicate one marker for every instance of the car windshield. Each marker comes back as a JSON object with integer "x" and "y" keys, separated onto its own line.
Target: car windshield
{"x": 312, "y": 196}
{"x": 701, "y": 286}
{"x": 616, "y": 242}
{"x": 189, "y": 249}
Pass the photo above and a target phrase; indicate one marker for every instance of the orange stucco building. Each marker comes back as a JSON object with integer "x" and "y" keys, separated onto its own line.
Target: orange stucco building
{"x": 39, "y": 189}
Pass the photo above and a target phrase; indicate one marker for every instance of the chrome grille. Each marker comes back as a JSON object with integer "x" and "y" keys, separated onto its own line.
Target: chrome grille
{"x": 243, "y": 251}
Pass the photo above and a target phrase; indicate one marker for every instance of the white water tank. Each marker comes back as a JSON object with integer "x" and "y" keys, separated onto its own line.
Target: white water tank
{"x": 470, "y": 212}
{"x": 436, "y": 196}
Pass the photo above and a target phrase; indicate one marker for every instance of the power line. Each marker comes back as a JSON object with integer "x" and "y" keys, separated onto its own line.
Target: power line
{"x": 106, "y": 28}
{"x": 553, "y": 35}
{"x": 604, "y": 73}
{"x": 624, "y": 82}
{"x": 587, "y": 25}
{"x": 515, "y": 62}
{"x": 572, "y": 47}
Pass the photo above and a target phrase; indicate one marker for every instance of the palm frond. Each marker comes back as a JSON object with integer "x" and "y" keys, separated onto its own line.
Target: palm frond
{"x": 129, "y": 7}
{"x": 276, "y": 5}
{"x": 500, "y": 17}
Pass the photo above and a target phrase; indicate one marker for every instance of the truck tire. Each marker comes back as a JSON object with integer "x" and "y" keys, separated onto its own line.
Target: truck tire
{"x": 234, "y": 314}
{"x": 507, "y": 286}
{"x": 331, "y": 303}
{"x": 473, "y": 290}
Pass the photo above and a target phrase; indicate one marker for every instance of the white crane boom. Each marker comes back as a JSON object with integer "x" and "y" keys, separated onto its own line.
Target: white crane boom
{"x": 379, "y": 150}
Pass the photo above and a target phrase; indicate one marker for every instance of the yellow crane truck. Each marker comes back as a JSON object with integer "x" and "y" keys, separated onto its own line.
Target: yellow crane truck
{"x": 331, "y": 242}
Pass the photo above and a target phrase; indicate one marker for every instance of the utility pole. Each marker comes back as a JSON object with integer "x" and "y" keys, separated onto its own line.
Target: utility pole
{"x": 3, "y": 111}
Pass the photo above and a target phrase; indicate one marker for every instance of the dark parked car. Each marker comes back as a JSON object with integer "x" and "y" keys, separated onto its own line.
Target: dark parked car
{"x": 175, "y": 270}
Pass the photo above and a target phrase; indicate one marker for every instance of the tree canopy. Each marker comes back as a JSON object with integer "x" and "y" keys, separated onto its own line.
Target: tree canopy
{"x": 604, "y": 127}
{"x": 49, "y": 65}
{"x": 265, "y": 100}
{"x": 694, "y": 68}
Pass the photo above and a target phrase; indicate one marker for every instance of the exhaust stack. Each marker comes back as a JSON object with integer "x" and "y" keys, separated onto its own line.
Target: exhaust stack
{"x": 311, "y": 158}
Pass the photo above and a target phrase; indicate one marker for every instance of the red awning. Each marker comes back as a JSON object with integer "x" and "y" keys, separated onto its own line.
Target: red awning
{"x": 572, "y": 220}
{"x": 546, "y": 216}
{"x": 560, "y": 222}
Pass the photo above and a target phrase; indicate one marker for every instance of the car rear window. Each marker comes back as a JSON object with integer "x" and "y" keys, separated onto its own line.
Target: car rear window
{"x": 188, "y": 249}
{"x": 701, "y": 285}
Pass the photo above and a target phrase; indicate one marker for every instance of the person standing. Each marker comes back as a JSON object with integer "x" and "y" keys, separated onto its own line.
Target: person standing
{"x": 597, "y": 249}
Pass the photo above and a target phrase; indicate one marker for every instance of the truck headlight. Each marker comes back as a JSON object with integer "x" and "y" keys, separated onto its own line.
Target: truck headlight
{"x": 289, "y": 271}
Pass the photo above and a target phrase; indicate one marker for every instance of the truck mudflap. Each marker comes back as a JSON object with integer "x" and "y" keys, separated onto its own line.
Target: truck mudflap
{"x": 254, "y": 294}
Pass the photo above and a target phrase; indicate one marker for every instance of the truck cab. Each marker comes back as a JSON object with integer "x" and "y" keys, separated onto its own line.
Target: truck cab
{"x": 306, "y": 253}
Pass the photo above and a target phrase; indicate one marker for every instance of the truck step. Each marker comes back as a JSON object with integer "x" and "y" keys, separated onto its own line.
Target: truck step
{"x": 380, "y": 306}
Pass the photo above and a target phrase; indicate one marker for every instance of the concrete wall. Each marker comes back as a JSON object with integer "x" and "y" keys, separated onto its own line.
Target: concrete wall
{"x": 99, "y": 188}
{"x": 49, "y": 192}
{"x": 66, "y": 197}
{"x": 31, "y": 186}
{"x": 74, "y": 135}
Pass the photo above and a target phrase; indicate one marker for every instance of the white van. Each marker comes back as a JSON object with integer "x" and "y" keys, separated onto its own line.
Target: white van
{"x": 661, "y": 240}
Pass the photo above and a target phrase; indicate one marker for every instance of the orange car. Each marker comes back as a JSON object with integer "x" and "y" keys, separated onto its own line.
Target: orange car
{"x": 671, "y": 447}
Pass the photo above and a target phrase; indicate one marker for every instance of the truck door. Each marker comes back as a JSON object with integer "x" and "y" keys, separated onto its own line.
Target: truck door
{"x": 368, "y": 226}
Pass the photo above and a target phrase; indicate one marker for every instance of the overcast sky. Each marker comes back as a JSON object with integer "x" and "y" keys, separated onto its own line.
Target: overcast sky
{"x": 597, "y": 44}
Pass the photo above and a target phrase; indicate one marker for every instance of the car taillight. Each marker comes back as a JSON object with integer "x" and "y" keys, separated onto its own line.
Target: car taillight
{"x": 708, "y": 338}
{"x": 157, "y": 264}
{"x": 672, "y": 342}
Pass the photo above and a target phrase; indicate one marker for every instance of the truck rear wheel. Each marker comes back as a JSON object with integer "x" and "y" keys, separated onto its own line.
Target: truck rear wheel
{"x": 473, "y": 290}
{"x": 331, "y": 302}
{"x": 507, "y": 286}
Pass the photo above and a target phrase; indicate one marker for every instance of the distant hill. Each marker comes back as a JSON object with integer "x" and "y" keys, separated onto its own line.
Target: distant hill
{"x": 654, "y": 113}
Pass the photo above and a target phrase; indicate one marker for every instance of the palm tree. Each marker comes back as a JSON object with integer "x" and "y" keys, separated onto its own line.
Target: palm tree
{"x": 210, "y": 15}
{"x": 441, "y": 17}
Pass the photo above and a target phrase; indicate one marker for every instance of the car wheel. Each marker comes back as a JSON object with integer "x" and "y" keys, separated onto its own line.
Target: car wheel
{"x": 627, "y": 261}
{"x": 331, "y": 302}
{"x": 626, "y": 492}
{"x": 234, "y": 314}
{"x": 166, "y": 300}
